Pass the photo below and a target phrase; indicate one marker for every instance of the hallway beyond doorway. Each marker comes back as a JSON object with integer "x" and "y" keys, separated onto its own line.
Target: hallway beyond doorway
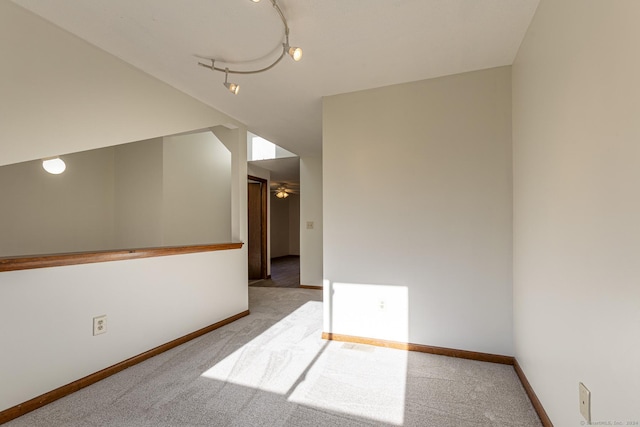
{"x": 285, "y": 273}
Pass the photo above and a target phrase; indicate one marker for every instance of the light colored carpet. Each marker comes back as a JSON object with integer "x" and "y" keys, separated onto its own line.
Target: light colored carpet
{"x": 272, "y": 369}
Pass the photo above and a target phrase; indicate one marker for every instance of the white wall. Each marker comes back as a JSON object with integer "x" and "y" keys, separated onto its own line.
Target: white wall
{"x": 285, "y": 225}
{"x": 159, "y": 192}
{"x": 311, "y": 211}
{"x": 294, "y": 224}
{"x": 83, "y": 98}
{"x": 576, "y": 208}
{"x": 279, "y": 223}
{"x": 51, "y": 78}
{"x": 138, "y": 194}
{"x": 196, "y": 190}
{"x": 235, "y": 139}
{"x": 148, "y": 302}
{"x": 417, "y": 212}
{"x": 42, "y": 213}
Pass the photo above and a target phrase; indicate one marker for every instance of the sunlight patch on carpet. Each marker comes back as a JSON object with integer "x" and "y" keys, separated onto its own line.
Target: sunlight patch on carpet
{"x": 360, "y": 380}
{"x": 290, "y": 359}
{"x": 275, "y": 359}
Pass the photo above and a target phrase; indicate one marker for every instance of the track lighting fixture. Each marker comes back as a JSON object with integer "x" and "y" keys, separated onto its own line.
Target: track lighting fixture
{"x": 294, "y": 51}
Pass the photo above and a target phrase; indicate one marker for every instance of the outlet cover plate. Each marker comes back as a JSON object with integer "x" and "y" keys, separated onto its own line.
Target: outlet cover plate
{"x": 100, "y": 325}
{"x": 585, "y": 402}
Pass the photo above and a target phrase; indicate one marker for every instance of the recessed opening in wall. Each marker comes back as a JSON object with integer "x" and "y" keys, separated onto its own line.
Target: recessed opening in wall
{"x": 166, "y": 191}
{"x": 261, "y": 149}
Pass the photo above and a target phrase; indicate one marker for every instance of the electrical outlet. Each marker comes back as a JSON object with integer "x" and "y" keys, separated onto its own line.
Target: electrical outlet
{"x": 381, "y": 305}
{"x": 585, "y": 402}
{"x": 309, "y": 225}
{"x": 100, "y": 325}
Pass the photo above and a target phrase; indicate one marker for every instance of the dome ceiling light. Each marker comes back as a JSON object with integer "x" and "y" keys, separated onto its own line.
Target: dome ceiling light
{"x": 54, "y": 165}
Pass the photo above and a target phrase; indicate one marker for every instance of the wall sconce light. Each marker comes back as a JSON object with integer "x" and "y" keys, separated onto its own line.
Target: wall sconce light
{"x": 54, "y": 165}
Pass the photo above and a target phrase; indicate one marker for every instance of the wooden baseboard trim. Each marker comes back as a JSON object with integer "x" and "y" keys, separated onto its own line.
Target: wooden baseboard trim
{"x": 65, "y": 390}
{"x": 319, "y": 288}
{"x": 442, "y": 351}
{"x": 537, "y": 405}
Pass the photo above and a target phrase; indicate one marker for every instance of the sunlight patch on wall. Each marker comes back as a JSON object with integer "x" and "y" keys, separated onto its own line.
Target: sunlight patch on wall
{"x": 366, "y": 310}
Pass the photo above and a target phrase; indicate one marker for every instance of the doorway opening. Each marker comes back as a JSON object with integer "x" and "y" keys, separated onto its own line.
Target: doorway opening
{"x": 281, "y": 170}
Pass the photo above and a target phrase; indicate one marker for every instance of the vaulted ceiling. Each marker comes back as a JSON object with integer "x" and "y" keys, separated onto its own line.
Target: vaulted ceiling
{"x": 349, "y": 45}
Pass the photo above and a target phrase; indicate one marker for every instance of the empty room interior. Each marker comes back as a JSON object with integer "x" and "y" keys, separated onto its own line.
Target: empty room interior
{"x": 465, "y": 212}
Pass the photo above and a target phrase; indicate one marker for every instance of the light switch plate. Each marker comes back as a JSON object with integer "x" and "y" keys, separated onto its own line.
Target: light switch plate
{"x": 309, "y": 225}
{"x": 585, "y": 402}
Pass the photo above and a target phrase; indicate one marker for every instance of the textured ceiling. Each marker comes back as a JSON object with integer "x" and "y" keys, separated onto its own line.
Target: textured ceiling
{"x": 349, "y": 45}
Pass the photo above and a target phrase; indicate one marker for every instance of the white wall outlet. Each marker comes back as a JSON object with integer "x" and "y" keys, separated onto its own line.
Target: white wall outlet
{"x": 585, "y": 402}
{"x": 381, "y": 305}
{"x": 100, "y": 325}
{"x": 309, "y": 225}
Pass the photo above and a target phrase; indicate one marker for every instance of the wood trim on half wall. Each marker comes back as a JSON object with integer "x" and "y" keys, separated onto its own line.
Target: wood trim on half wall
{"x": 65, "y": 390}
{"x": 59, "y": 260}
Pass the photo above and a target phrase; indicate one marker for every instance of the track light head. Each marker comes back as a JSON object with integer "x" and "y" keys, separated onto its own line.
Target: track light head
{"x": 234, "y": 88}
{"x": 295, "y": 53}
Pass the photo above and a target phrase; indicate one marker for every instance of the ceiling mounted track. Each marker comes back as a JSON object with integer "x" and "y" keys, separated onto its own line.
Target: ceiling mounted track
{"x": 294, "y": 51}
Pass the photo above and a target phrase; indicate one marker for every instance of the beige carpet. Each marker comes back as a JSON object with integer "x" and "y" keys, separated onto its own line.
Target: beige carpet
{"x": 272, "y": 369}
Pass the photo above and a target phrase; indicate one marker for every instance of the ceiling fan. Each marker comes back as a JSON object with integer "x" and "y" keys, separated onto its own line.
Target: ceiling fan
{"x": 283, "y": 190}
